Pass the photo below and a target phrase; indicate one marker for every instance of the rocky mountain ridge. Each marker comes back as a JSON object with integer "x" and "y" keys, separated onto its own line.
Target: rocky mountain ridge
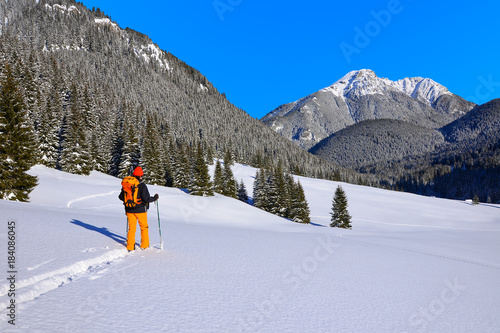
{"x": 361, "y": 95}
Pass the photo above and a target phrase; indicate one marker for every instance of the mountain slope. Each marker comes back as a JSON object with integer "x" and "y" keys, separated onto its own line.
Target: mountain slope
{"x": 372, "y": 141}
{"x": 481, "y": 124}
{"x": 70, "y": 58}
{"x": 361, "y": 95}
{"x": 463, "y": 163}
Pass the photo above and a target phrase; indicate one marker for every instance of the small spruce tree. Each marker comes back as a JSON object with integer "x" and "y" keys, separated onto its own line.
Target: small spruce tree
{"x": 242, "y": 192}
{"x": 283, "y": 192}
{"x": 75, "y": 150}
{"x": 218, "y": 178}
{"x": 230, "y": 186}
{"x": 152, "y": 155}
{"x": 257, "y": 189}
{"x": 48, "y": 138}
{"x": 299, "y": 207}
{"x": 200, "y": 183}
{"x": 180, "y": 167}
{"x": 340, "y": 215}
{"x": 131, "y": 149}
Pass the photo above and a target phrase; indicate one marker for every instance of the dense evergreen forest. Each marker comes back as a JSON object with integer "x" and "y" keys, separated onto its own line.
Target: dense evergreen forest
{"x": 104, "y": 98}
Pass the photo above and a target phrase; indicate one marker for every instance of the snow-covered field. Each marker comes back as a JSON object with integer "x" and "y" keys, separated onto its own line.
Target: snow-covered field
{"x": 410, "y": 264}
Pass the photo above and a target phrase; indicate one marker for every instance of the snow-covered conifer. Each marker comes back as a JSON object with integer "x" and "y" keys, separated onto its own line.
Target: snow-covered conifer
{"x": 218, "y": 177}
{"x": 152, "y": 155}
{"x": 131, "y": 151}
{"x": 17, "y": 142}
{"x": 340, "y": 215}
{"x": 230, "y": 186}
{"x": 75, "y": 156}
{"x": 200, "y": 183}
{"x": 242, "y": 192}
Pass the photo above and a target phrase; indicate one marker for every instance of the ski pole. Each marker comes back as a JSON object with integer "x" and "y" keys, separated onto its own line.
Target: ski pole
{"x": 126, "y": 233}
{"x": 159, "y": 225}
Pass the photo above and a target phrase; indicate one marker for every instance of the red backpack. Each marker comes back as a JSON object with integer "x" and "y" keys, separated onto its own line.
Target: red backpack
{"x": 130, "y": 187}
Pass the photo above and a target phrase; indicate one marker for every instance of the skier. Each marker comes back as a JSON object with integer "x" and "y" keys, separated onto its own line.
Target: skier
{"x": 137, "y": 210}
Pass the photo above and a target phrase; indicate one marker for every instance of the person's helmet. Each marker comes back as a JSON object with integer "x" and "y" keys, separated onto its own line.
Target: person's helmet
{"x": 138, "y": 172}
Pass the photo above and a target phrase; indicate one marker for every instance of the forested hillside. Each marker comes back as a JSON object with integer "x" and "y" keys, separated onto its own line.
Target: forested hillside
{"x": 457, "y": 161}
{"x": 465, "y": 165}
{"x": 373, "y": 141}
{"x": 98, "y": 95}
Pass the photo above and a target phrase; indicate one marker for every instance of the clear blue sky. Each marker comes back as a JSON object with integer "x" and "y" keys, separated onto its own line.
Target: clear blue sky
{"x": 266, "y": 53}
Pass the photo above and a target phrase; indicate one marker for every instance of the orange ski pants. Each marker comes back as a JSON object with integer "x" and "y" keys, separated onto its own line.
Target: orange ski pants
{"x": 132, "y": 226}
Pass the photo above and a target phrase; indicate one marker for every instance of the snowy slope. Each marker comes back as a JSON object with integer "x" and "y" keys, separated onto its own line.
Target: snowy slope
{"x": 411, "y": 263}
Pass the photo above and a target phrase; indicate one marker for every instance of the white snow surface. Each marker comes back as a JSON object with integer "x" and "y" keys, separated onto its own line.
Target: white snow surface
{"x": 365, "y": 82}
{"x": 62, "y": 8}
{"x": 410, "y": 263}
{"x": 152, "y": 52}
{"x": 106, "y": 21}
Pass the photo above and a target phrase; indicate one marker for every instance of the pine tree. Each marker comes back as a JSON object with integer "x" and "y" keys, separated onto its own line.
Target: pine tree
{"x": 475, "y": 200}
{"x": 200, "y": 183}
{"x": 257, "y": 189}
{"x": 242, "y": 192}
{"x": 263, "y": 193}
{"x": 169, "y": 158}
{"x": 48, "y": 139}
{"x": 17, "y": 144}
{"x": 180, "y": 168}
{"x": 228, "y": 158}
{"x": 283, "y": 192}
{"x": 218, "y": 178}
{"x": 230, "y": 187}
{"x": 168, "y": 149}
{"x": 75, "y": 156}
{"x": 272, "y": 193}
{"x": 116, "y": 148}
{"x": 131, "y": 153}
{"x": 340, "y": 215}
{"x": 152, "y": 156}
{"x": 31, "y": 90}
{"x": 298, "y": 205}
{"x": 99, "y": 155}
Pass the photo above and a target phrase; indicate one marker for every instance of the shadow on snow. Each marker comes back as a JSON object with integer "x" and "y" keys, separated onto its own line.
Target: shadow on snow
{"x": 103, "y": 231}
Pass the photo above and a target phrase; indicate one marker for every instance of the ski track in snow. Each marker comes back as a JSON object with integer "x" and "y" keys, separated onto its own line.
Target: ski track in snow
{"x": 71, "y": 202}
{"x": 35, "y": 286}
{"x": 32, "y": 268}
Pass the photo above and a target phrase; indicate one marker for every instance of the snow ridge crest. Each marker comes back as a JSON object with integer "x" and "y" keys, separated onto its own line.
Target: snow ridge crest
{"x": 365, "y": 82}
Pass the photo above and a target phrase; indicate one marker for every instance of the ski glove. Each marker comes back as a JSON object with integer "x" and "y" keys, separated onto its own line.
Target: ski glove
{"x": 156, "y": 196}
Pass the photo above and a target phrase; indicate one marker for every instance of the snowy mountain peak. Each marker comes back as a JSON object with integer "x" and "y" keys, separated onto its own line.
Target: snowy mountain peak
{"x": 365, "y": 82}
{"x": 361, "y": 95}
